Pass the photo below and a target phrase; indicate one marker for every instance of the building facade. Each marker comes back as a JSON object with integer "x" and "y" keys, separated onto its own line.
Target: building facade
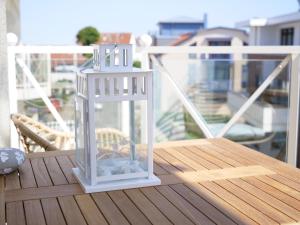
{"x": 279, "y": 30}
{"x": 171, "y": 29}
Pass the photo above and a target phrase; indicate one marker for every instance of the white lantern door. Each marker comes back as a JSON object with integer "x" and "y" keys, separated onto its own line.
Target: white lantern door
{"x": 81, "y": 128}
{"x": 120, "y": 152}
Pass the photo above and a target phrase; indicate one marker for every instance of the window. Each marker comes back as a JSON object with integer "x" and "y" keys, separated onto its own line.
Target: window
{"x": 287, "y": 36}
{"x": 193, "y": 55}
{"x": 219, "y": 43}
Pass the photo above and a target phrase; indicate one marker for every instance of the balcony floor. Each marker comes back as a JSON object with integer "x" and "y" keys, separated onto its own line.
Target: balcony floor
{"x": 203, "y": 182}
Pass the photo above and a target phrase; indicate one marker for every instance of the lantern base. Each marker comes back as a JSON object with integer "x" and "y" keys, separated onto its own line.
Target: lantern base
{"x": 115, "y": 185}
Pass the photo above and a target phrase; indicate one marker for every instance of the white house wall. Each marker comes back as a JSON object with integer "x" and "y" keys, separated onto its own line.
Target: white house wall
{"x": 13, "y": 17}
{"x": 270, "y": 35}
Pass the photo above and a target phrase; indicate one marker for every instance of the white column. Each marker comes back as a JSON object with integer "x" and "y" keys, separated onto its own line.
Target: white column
{"x": 4, "y": 81}
{"x": 237, "y": 66}
{"x": 294, "y": 98}
{"x": 13, "y": 96}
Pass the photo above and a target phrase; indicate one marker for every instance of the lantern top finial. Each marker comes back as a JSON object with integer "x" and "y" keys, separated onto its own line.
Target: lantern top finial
{"x": 112, "y": 58}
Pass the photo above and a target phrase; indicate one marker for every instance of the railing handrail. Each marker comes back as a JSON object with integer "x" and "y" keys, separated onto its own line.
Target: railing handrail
{"x": 52, "y": 49}
{"x": 67, "y": 49}
{"x": 224, "y": 49}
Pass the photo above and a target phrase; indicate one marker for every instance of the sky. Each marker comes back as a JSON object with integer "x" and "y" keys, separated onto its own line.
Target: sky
{"x": 57, "y": 22}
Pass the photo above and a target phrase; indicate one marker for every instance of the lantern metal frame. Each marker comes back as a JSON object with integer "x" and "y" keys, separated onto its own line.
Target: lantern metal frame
{"x": 95, "y": 86}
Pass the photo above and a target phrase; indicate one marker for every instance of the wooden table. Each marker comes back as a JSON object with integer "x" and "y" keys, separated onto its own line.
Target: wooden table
{"x": 203, "y": 182}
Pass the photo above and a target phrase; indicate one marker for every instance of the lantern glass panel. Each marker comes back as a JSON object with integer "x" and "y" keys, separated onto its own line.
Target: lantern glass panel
{"x": 121, "y": 150}
{"x": 80, "y": 131}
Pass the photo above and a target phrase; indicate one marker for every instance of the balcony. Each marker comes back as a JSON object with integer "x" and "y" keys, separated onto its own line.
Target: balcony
{"x": 199, "y": 101}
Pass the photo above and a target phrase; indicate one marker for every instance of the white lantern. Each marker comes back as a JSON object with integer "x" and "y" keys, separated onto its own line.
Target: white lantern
{"x": 114, "y": 145}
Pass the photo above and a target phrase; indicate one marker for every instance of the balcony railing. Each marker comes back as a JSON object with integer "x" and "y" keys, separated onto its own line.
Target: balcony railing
{"x": 247, "y": 94}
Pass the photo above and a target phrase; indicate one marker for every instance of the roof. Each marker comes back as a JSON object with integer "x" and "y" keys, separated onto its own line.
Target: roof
{"x": 188, "y": 36}
{"x": 222, "y": 28}
{"x": 118, "y": 38}
{"x": 287, "y": 18}
{"x": 182, "y": 19}
{"x": 65, "y": 59}
{"x": 182, "y": 38}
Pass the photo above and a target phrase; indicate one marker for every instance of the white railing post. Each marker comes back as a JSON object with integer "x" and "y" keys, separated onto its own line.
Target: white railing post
{"x": 293, "y": 119}
{"x": 13, "y": 96}
{"x": 49, "y": 78}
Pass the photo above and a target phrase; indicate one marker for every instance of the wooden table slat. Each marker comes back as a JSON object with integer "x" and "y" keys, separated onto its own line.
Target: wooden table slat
{"x": 213, "y": 152}
{"x": 66, "y": 165}
{"x": 167, "y": 208}
{"x": 227, "y": 154}
{"x": 286, "y": 181}
{"x": 89, "y": 210}
{"x": 26, "y": 175}
{"x": 261, "y": 206}
{"x": 2, "y": 200}
{"x": 165, "y": 164}
{"x": 274, "y": 192}
{"x": 197, "y": 216}
{"x": 179, "y": 164}
{"x": 185, "y": 159}
{"x": 147, "y": 207}
{"x": 12, "y": 181}
{"x": 109, "y": 209}
{"x": 40, "y": 172}
{"x": 267, "y": 198}
{"x": 210, "y": 211}
{"x": 71, "y": 210}
{"x": 34, "y": 213}
{"x": 72, "y": 158}
{"x": 207, "y": 164}
{"x": 158, "y": 170}
{"x": 239, "y": 204}
{"x": 55, "y": 172}
{"x": 43, "y": 192}
{"x": 15, "y": 213}
{"x": 257, "y": 157}
{"x": 129, "y": 210}
{"x": 52, "y": 211}
{"x": 219, "y": 163}
{"x": 219, "y": 203}
{"x": 280, "y": 186}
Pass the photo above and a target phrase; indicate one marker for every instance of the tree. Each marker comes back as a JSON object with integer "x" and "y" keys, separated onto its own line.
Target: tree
{"x": 87, "y": 36}
{"x": 137, "y": 64}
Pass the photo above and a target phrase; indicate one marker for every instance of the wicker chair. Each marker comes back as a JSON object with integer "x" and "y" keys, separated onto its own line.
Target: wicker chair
{"x": 37, "y": 137}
